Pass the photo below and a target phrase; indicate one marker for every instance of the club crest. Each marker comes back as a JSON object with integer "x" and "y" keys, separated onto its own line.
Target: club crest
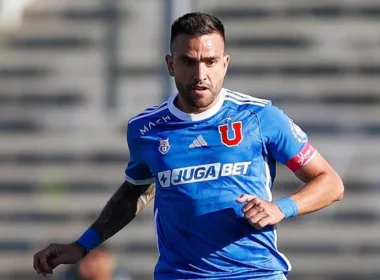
{"x": 226, "y": 130}
{"x": 164, "y": 146}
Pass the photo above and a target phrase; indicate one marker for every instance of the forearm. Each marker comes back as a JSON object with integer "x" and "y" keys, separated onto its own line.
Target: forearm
{"x": 122, "y": 208}
{"x": 319, "y": 192}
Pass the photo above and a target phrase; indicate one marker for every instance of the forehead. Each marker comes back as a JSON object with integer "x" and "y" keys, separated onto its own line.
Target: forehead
{"x": 210, "y": 45}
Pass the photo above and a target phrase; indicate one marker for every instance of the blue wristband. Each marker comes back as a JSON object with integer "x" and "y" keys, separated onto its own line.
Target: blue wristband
{"x": 89, "y": 239}
{"x": 287, "y": 206}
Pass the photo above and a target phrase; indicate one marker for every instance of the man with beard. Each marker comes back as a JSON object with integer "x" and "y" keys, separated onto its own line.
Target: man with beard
{"x": 208, "y": 156}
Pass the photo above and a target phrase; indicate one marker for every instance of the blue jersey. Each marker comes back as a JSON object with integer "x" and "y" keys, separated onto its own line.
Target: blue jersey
{"x": 201, "y": 164}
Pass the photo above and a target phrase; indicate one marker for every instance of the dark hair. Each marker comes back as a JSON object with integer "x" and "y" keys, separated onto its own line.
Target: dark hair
{"x": 196, "y": 24}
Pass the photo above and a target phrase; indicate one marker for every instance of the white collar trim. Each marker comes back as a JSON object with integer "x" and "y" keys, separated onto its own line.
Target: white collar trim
{"x": 196, "y": 117}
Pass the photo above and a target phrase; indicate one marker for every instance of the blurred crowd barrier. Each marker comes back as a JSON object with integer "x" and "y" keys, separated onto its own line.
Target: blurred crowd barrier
{"x": 74, "y": 71}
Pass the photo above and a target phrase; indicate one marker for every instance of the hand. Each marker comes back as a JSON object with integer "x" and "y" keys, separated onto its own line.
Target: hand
{"x": 55, "y": 254}
{"x": 259, "y": 212}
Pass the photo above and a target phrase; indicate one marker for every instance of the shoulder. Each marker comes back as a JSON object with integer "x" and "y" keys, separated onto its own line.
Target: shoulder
{"x": 241, "y": 101}
{"x": 149, "y": 113}
{"x": 270, "y": 117}
{"x": 148, "y": 118}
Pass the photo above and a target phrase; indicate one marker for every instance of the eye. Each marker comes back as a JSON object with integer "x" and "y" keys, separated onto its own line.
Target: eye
{"x": 187, "y": 62}
{"x": 212, "y": 62}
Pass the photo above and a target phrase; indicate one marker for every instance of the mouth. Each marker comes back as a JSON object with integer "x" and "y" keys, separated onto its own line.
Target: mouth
{"x": 199, "y": 88}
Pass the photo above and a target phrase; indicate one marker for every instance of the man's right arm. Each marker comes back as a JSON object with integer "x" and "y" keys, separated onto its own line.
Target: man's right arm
{"x": 122, "y": 208}
{"x": 119, "y": 211}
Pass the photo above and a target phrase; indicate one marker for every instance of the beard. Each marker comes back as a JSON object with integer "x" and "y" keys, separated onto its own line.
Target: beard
{"x": 194, "y": 101}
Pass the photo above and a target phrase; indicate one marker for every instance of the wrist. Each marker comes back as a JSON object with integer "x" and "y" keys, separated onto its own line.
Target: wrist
{"x": 89, "y": 240}
{"x": 83, "y": 251}
{"x": 287, "y": 206}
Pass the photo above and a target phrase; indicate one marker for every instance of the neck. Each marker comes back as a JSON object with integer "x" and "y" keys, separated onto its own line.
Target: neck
{"x": 187, "y": 108}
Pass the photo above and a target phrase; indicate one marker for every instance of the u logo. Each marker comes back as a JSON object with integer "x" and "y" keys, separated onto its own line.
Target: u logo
{"x": 237, "y": 131}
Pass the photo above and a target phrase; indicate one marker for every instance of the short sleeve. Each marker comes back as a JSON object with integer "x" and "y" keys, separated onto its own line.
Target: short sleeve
{"x": 137, "y": 172}
{"x": 284, "y": 140}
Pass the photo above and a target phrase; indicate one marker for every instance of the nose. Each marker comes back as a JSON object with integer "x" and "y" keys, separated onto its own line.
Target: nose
{"x": 200, "y": 72}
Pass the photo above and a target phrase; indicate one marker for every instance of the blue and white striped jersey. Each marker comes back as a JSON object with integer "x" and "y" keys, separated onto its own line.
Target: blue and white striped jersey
{"x": 201, "y": 164}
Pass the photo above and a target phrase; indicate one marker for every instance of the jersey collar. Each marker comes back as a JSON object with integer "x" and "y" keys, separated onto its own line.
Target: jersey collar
{"x": 196, "y": 117}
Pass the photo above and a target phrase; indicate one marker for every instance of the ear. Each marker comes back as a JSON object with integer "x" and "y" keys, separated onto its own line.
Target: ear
{"x": 169, "y": 64}
{"x": 226, "y": 61}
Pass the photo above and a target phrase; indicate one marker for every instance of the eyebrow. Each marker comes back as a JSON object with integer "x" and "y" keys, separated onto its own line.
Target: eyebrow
{"x": 186, "y": 57}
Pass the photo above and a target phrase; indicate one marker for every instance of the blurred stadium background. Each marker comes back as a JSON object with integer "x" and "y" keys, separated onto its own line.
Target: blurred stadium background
{"x": 73, "y": 72}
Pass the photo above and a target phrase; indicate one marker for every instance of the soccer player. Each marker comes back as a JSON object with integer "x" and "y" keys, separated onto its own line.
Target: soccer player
{"x": 208, "y": 156}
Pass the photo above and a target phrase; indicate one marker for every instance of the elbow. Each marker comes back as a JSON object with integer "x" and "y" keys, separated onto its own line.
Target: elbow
{"x": 335, "y": 186}
{"x": 340, "y": 197}
{"x": 339, "y": 189}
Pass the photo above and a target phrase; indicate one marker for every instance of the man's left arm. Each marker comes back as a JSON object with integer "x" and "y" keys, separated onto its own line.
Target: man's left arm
{"x": 323, "y": 186}
{"x": 287, "y": 143}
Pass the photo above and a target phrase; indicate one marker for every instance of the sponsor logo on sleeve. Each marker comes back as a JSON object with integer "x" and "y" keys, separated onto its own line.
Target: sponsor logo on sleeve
{"x": 147, "y": 127}
{"x": 297, "y": 132}
{"x": 307, "y": 153}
